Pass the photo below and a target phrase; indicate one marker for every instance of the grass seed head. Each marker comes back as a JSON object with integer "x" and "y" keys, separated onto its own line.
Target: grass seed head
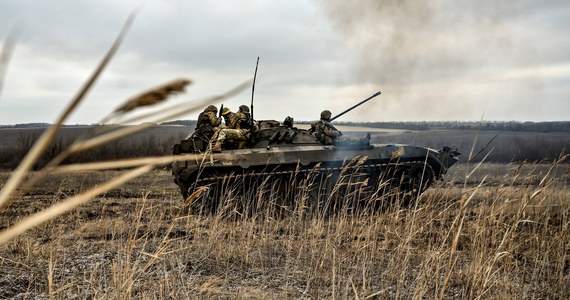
{"x": 155, "y": 95}
{"x": 194, "y": 195}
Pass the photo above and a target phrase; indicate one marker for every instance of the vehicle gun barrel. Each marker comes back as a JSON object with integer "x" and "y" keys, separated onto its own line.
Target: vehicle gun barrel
{"x": 355, "y": 106}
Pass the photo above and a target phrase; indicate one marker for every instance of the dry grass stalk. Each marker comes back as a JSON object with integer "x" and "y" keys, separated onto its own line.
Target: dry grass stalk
{"x": 68, "y": 204}
{"x": 148, "y": 98}
{"x": 6, "y": 55}
{"x": 42, "y": 143}
{"x": 119, "y": 164}
{"x": 164, "y": 114}
{"x": 125, "y": 131}
{"x": 459, "y": 220}
{"x": 195, "y": 195}
{"x": 115, "y": 164}
{"x": 155, "y": 95}
{"x": 81, "y": 145}
{"x": 470, "y": 157}
{"x": 168, "y": 113}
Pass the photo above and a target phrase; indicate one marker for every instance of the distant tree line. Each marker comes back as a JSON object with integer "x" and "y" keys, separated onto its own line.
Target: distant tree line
{"x": 27, "y": 125}
{"x": 153, "y": 143}
{"x": 555, "y": 126}
{"x": 188, "y": 123}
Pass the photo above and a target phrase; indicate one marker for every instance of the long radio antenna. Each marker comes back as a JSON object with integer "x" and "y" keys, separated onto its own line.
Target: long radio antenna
{"x": 253, "y": 91}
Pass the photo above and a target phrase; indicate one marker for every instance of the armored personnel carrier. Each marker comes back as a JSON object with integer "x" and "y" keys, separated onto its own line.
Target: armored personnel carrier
{"x": 281, "y": 151}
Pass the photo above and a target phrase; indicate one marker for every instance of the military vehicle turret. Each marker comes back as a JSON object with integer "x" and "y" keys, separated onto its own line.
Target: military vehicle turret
{"x": 281, "y": 150}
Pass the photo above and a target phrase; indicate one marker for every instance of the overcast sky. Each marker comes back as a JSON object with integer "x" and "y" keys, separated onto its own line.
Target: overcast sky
{"x": 432, "y": 60}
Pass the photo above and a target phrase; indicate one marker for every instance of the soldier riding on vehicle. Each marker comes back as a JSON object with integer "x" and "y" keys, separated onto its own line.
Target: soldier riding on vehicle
{"x": 227, "y": 114}
{"x": 324, "y": 131}
{"x": 208, "y": 121}
{"x": 285, "y": 154}
{"x": 238, "y": 130}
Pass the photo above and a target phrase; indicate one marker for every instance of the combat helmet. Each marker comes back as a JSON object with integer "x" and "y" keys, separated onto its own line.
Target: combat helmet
{"x": 226, "y": 111}
{"x": 326, "y": 115}
{"x": 211, "y": 108}
{"x": 244, "y": 108}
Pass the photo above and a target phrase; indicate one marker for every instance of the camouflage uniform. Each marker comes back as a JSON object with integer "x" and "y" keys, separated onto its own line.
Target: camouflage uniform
{"x": 238, "y": 129}
{"x": 208, "y": 121}
{"x": 233, "y": 134}
{"x": 325, "y": 132}
{"x": 240, "y": 120}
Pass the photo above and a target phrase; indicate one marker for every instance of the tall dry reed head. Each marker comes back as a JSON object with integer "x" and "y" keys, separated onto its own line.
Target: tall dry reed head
{"x": 154, "y": 96}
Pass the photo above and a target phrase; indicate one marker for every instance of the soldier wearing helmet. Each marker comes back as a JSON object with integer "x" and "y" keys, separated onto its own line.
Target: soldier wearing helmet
{"x": 241, "y": 119}
{"x": 227, "y": 115}
{"x": 326, "y": 115}
{"x": 325, "y": 132}
{"x": 208, "y": 121}
{"x": 238, "y": 129}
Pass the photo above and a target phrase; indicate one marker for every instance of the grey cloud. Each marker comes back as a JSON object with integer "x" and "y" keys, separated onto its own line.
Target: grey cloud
{"x": 168, "y": 39}
{"x": 432, "y": 59}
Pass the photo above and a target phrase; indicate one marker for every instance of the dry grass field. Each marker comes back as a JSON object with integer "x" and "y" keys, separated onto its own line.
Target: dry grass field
{"x": 501, "y": 232}
{"x": 490, "y": 231}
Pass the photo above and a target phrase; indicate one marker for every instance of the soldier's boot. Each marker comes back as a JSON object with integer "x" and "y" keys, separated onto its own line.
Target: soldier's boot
{"x": 217, "y": 147}
{"x": 241, "y": 144}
